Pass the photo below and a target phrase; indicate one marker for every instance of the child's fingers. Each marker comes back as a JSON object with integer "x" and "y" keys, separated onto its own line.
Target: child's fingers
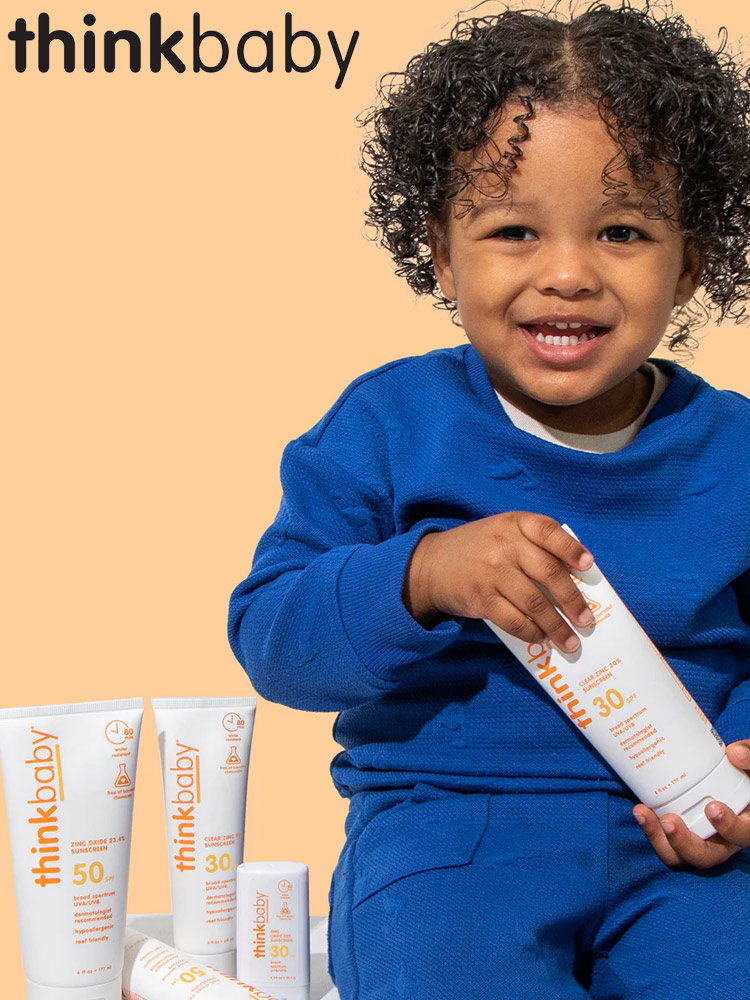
{"x": 511, "y": 619}
{"x": 692, "y": 849}
{"x": 545, "y": 569}
{"x": 549, "y": 534}
{"x": 653, "y": 830}
{"x": 535, "y": 605}
{"x": 531, "y": 603}
{"x": 676, "y": 845}
{"x": 739, "y": 754}
{"x": 733, "y": 828}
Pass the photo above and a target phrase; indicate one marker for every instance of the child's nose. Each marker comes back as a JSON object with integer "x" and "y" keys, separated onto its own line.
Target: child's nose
{"x": 567, "y": 269}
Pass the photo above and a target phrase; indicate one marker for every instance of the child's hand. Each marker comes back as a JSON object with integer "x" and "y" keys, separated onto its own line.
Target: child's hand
{"x": 682, "y": 847}
{"x": 492, "y": 568}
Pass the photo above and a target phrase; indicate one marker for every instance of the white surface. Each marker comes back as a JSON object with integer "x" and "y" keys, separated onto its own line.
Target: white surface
{"x": 159, "y": 925}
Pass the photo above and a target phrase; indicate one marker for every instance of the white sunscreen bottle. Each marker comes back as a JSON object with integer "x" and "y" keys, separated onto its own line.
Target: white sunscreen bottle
{"x": 625, "y": 699}
{"x": 154, "y": 971}
{"x": 273, "y": 927}
{"x": 204, "y": 744}
{"x": 69, "y": 775}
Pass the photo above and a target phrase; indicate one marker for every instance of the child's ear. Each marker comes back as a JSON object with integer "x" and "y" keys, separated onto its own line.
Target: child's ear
{"x": 441, "y": 258}
{"x": 690, "y": 279}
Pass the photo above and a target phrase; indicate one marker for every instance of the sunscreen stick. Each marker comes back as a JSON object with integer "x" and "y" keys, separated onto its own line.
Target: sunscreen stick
{"x": 204, "y": 744}
{"x": 625, "y": 699}
{"x": 69, "y": 775}
{"x": 154, "y": 971}
{"x": 273, "y": 927}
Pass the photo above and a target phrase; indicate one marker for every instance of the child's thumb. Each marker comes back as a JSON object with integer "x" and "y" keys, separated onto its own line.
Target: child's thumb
{"x": 740, "y": 752}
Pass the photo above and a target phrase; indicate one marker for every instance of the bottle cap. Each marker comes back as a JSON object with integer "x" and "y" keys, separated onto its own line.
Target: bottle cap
{"x": 725, "y": 783}
{"x": 111, "y": 990}
{"x": 222, "y": 961}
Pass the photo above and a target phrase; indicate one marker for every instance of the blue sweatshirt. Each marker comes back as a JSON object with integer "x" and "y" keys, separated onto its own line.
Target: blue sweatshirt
{"x": 424, "y": 444}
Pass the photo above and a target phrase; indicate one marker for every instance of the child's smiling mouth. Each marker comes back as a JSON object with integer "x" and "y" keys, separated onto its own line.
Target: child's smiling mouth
{"x": 563, "y": 340}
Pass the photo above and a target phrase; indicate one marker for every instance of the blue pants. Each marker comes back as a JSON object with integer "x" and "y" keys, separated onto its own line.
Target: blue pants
{"x": 439, "y": 895}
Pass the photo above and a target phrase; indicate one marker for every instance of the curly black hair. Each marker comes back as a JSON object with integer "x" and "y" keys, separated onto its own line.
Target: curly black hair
{"x": 664, "y": 95}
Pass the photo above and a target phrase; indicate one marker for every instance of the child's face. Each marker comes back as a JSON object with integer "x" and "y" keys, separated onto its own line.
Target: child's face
{"x": 550, "y": 250}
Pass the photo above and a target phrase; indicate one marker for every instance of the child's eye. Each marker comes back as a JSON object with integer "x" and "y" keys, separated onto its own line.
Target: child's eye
{"x": 515, "y": 234}
{"x": 622, "y": 231}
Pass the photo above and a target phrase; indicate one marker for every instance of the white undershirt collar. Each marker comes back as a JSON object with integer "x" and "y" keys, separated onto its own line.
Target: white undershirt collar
{"x": 597, "y": 443}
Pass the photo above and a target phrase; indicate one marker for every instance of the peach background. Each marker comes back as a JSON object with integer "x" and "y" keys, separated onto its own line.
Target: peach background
{"x": 187, "y": 287}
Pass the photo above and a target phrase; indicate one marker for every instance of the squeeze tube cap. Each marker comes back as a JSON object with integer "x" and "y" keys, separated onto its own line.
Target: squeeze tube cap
{"x": 222, "y": 961}
{"x": 111, "y": 990}
{"x": 725, "y": 783}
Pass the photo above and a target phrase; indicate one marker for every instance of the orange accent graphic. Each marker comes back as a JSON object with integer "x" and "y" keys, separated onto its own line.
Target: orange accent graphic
{"x": 59, "y": 771}
{"x": 234, "y": 757}
{"x": 233, "y": 721}
{"x": 117, "y": 732}
{"x": 593, "y": 606}
{"x": 123, "y": 778}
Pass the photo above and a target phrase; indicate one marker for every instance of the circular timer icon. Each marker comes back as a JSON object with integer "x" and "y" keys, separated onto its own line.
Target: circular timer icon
{"x": 117, "y": 732}
{"x": 284, "y": 885}
{"x": 232, "y": 722}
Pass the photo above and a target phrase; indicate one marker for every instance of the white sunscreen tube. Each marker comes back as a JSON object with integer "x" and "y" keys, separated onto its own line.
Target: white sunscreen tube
{"x": 69, "y": 775}
{"x": 624, "y": 697}
{"x": 154, "y": 971}
{"x": 204, "y": 745}
{"x": 273, "y": 927}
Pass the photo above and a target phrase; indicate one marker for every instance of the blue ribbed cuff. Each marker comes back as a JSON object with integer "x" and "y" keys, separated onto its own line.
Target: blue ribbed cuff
{"x": 381, "y": 631}
{"x": 734, "y": 722}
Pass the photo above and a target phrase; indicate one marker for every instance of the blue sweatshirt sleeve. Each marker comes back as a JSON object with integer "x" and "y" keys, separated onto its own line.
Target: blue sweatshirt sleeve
{"x": 733, "y": 722}
{"x": 319, "y": 624}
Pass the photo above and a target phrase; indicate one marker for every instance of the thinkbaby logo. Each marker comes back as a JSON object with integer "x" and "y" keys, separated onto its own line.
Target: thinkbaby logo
{"x": 539, "y": 656}
{"x": 44, "y": 761}
{"x": 186, "y": 798}
{"x": 157, "y": 46}
{"x": 260, "y": 924}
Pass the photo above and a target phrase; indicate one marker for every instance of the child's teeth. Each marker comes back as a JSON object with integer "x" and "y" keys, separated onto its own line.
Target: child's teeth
{"x": 563, "y": 341}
